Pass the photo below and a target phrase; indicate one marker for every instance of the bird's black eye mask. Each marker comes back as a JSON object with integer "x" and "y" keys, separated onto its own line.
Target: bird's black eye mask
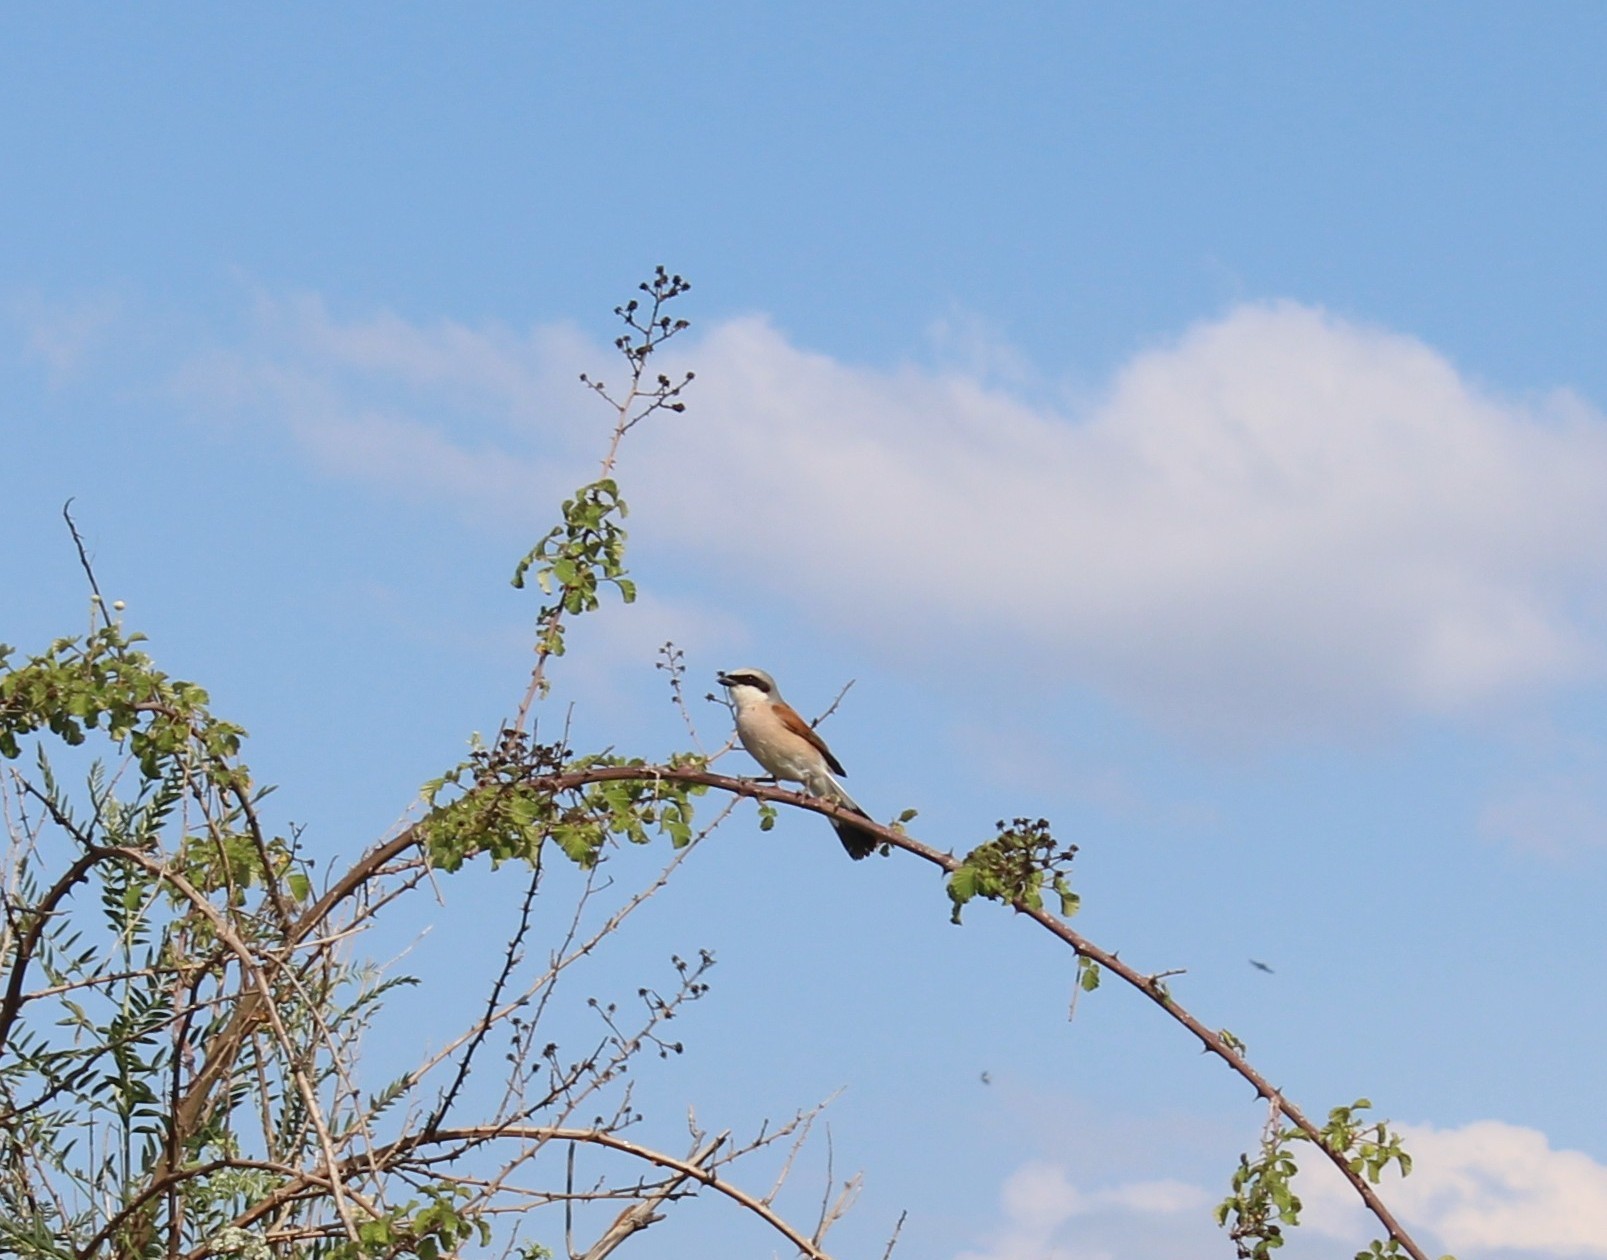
{"x": 744, "y": 680}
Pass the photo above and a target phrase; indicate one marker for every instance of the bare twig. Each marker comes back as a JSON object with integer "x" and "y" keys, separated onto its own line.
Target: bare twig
{"x": 98, "y": 603}
{"x": 804, "y": 1122}
{"x": 832, "y": 707}
{"x": 832, "y": 1211}
{"x": 639, "y": 1216}
{"x": 898, "y": 1228}
{"x": 510, "y": 960}
{"x": 673, "y": 662}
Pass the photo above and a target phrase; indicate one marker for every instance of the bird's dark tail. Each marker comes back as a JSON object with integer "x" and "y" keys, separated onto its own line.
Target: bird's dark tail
{"x": 859, "y": 842}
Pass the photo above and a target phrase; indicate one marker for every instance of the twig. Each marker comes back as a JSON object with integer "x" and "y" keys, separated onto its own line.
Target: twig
{"x": 640, "y": 1215}
{"x": 832, "y": 707}
{"x": 898, "y": 1227}
{"x": 833, "y": 1211}
{"x": 511, "y": 958}
{"x": 673, "y": 662}
{"x": 89, "y": 569}
{"x": 804, "y": 1123}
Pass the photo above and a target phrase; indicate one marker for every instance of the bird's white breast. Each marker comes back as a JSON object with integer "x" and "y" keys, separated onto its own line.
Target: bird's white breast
{"x": 772, "y": 745}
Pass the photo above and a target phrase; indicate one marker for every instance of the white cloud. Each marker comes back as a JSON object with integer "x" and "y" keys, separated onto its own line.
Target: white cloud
{"x": 1280, "y": 521}
{"x": 1046, "y": 1217}
{"x": 1556, "y": 816}
{"x": 63, "y": 335}
{"x": 967, "y": 343}
{"x": 474, "y": 416}
{"x": 1487, "y": 1187}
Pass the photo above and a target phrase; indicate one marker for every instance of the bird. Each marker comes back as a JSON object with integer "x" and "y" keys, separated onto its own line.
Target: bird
{"x": 1260, "y": 966}
{"x": 788, "y": 748}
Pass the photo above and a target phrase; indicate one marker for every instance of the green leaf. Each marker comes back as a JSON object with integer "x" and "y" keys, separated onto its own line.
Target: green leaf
{"x": 580, "y": 842}
{"x": 962, "y": 886}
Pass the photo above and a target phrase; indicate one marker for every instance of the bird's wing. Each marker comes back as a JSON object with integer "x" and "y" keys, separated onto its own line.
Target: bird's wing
{"x": 788, "y": 716}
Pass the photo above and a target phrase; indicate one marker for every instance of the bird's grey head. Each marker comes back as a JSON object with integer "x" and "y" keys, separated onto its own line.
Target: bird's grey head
{"x": 757, "y": 679}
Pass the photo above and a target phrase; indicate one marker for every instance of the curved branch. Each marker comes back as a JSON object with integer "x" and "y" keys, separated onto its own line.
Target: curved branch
{"x": 1150, "y": 986}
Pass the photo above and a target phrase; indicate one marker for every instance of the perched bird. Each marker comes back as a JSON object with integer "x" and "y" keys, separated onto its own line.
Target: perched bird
{"x": 788, "y": 747}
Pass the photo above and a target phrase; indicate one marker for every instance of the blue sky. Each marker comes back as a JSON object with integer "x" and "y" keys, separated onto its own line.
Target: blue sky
{"x": 1184, "y": 422}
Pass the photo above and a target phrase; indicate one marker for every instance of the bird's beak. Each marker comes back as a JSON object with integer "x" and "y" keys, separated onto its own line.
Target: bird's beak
{"x": 723, "y": 678}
